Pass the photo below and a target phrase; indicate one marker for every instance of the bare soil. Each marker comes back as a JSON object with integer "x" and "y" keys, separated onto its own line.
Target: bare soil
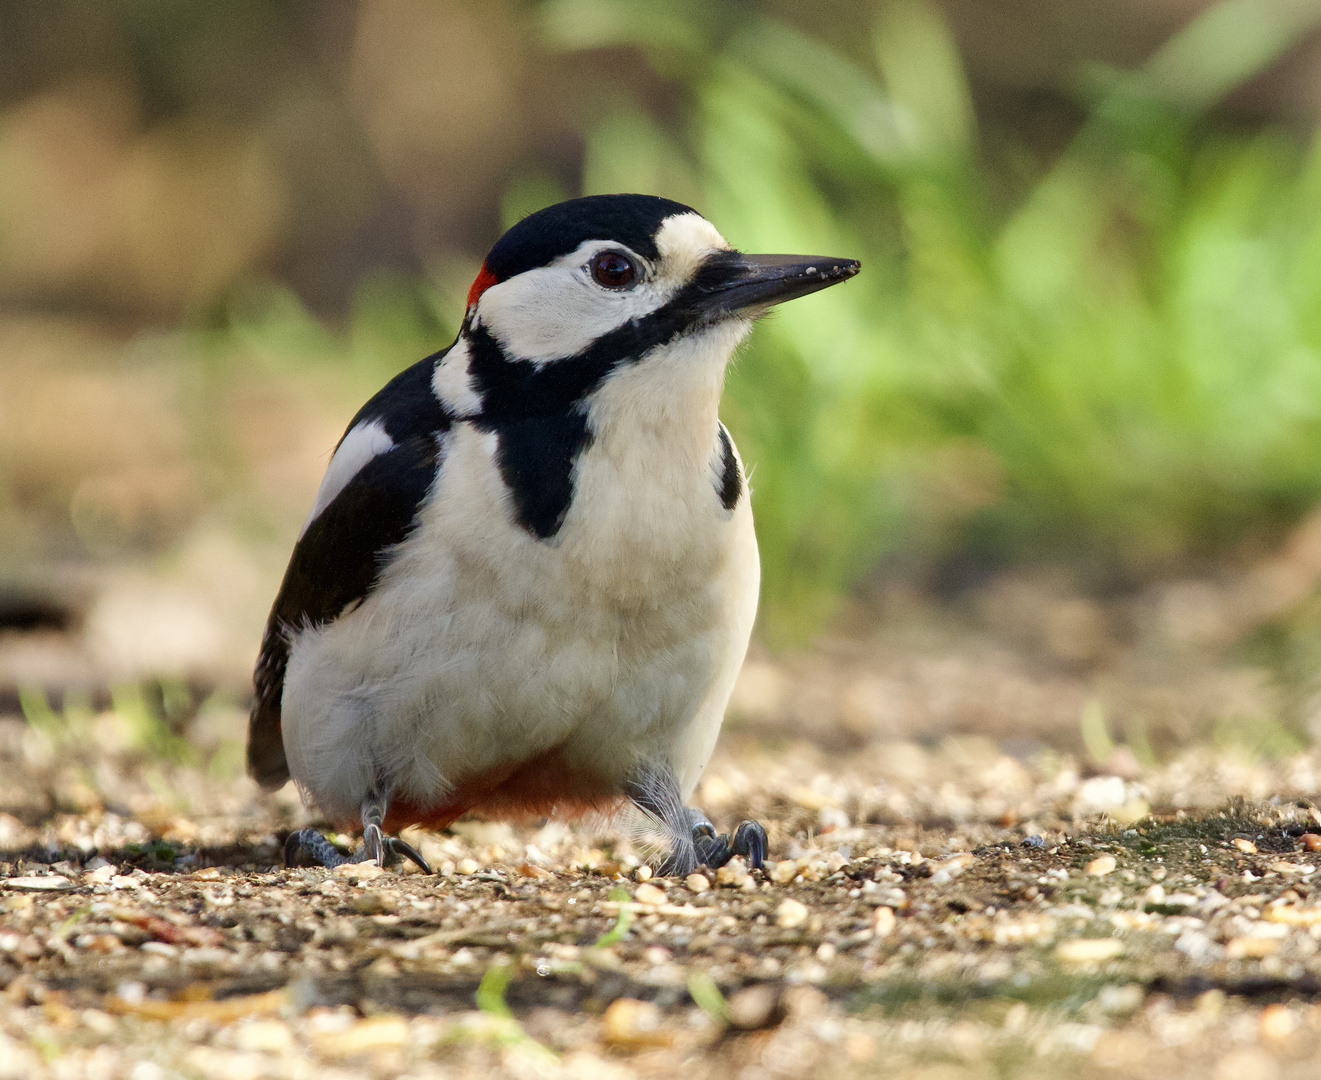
{"x": 938, "y": 911}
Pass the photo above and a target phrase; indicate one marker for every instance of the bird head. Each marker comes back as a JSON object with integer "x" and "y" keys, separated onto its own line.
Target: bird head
{"x": 577, "y": 290}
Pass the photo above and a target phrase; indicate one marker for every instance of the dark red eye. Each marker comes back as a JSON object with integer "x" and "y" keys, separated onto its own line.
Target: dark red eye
{"x": 613, "y": 270}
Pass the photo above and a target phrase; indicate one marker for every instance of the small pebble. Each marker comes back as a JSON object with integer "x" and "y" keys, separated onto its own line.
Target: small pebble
{"x": 755, "y": 1007}
{"x": 372, "y": 903}
{"x": 733, "y": 874}
{"x": 813, "y": 869}
{"x": 1311, "y": 841}
{"x": 698, "y": 883}
{"x": 1245, "y": 846}
{"x": 1251, "y": 948}
{"x": 364, "y": 1037}
{"x": 1100, "y": 866}
{"x": 99, "y": 943}
{"x": 1033, "y": 841}
{"x": 632, "y": 1024}
{"x": 1291, "y": 915}
{"x": 784, "y": 871}
{"x": 51, "y": 883}
{"x": 267, "y": 1036}
{"x": 1089, "y": 950}
{"x": 362, "y": 871}
{"x": 790, "y": 914}
{"x": 1277, "y": 1022}
{"x": 947, "y": 870}
{"x": 882, "y": 922}
{"x": 647, "y": 893}
{"x": 467, "y": 866}
{"x": 642, "y": 873}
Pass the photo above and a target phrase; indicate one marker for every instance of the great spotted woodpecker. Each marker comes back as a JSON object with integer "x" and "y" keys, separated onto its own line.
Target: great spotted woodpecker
{"x": 527, "y": 582}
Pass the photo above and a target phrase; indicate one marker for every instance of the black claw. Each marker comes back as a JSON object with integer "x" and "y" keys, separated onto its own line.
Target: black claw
{"x": 712, "y": 850}
{"x": 307, "y": 847}
{"x": 398, "y": 847}
{"x": 751, "y": 841}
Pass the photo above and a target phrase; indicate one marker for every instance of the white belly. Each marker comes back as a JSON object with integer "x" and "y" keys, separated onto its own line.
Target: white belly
{"x": 617, "y": 642}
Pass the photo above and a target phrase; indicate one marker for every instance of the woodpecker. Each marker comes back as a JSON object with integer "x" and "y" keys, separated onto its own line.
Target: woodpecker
{"x": 528, "y": 579}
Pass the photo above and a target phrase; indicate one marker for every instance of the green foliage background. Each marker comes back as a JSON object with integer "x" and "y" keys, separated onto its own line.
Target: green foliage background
{"x": 1109, "y": 357}
{"x": 1112, "y": 359}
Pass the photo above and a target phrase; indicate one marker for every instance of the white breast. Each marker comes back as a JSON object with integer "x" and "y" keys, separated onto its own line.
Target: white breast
{"x": 619, "y": 640}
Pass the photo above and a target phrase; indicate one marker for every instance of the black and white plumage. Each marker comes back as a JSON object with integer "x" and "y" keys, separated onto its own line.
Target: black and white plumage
{"x": 528, "y": 580}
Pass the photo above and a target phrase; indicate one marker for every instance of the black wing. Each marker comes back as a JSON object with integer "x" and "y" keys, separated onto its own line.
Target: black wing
{"x": 339, "y": 559}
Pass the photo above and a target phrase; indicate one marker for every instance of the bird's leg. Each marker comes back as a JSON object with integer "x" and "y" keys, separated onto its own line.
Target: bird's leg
{"x": 693, "y": 839}
{"x": 307, "y": 847}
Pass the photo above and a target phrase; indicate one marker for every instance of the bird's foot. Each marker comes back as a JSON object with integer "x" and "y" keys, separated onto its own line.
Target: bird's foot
{"x": 692, "y": 838}
{"x": 715, "y": 849}
{"x": 307, "y": 847}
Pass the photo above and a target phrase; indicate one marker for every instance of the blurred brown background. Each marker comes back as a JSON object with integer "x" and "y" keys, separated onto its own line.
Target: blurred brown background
{"x": 222, "y": 226}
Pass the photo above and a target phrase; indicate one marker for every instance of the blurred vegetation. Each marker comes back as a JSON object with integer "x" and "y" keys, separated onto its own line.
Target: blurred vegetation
{"x": 1111, "y": 360}
{"x": 1106, "y": 352}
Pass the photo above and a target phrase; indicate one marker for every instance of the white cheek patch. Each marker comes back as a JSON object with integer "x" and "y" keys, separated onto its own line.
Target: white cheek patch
{"x": 684, "y": 242}
{"x": 452, "y": 382}
{"x": 557, "y": 310}
{"x": 364, "y": 442}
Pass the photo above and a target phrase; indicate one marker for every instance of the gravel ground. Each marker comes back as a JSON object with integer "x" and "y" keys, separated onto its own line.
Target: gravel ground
{"x": 939, "y": 912}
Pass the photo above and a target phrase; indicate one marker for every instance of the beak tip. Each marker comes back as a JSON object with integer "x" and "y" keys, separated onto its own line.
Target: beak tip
{"x": 835, "y": 270}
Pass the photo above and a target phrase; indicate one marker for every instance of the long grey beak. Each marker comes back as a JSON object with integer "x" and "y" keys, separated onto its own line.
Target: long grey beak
{"x": 731, "y": 283}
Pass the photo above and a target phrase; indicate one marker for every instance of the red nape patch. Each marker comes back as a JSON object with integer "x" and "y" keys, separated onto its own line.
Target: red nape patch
{"x": 484, "y": 281}
{"x": 519, "y": 791}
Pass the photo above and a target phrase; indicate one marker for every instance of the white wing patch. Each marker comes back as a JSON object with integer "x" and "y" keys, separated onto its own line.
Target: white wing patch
{"x": 364, "y": 442}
